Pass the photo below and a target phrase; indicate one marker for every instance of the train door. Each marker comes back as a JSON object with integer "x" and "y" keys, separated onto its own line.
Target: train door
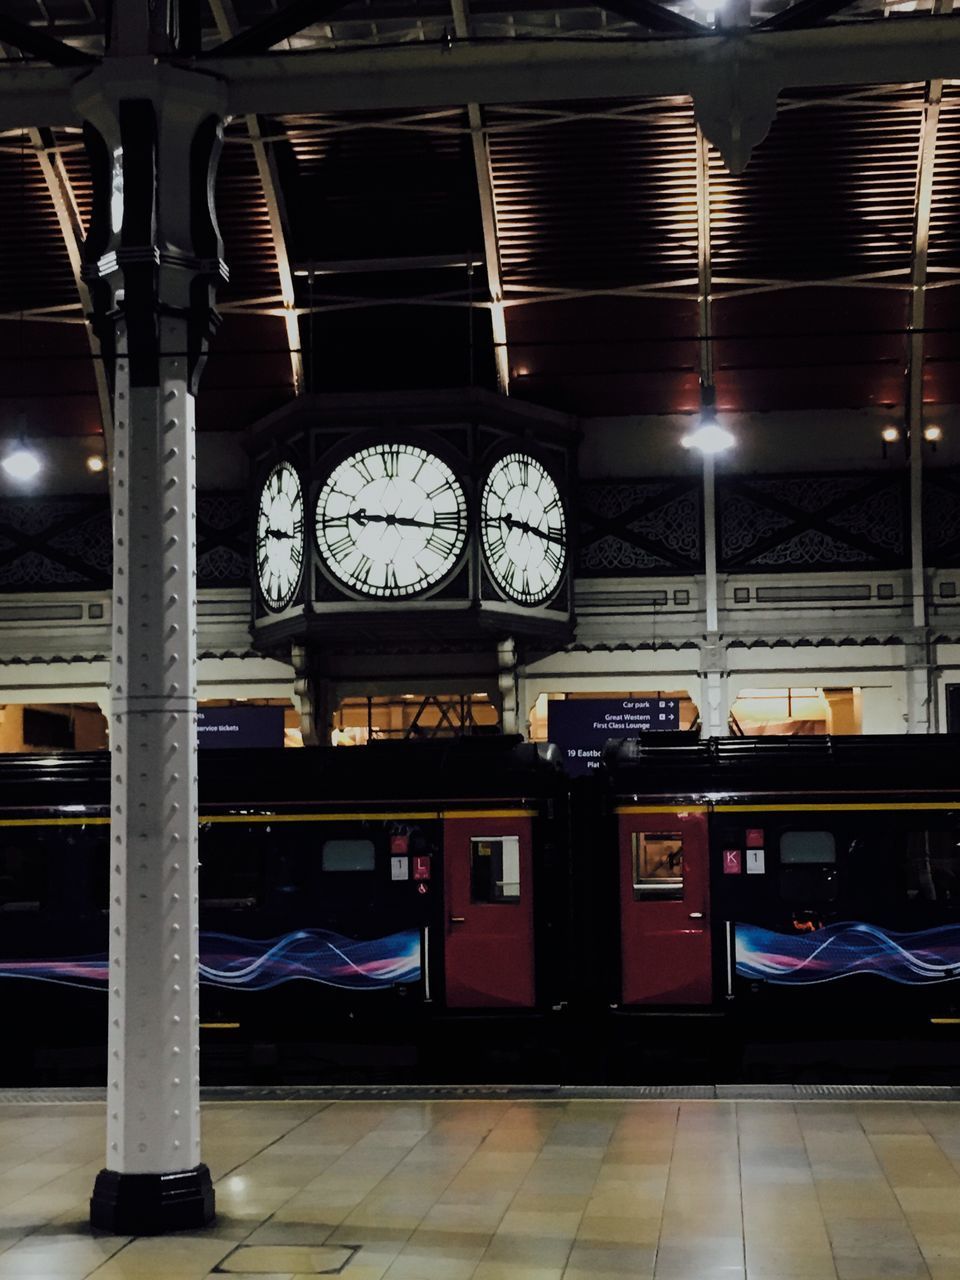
{"x": 488, "y": 904}
{"x": 665, "y": 952}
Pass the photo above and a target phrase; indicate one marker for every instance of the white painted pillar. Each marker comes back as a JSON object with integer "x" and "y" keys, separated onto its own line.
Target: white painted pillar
{"x": 154, "y": 257}
{"x": 510, "y": 717}
{"x": 714, "y": 694}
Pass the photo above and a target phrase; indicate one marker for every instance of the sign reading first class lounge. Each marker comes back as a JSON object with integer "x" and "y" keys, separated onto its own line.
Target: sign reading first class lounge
{"x": 580, "y": 726}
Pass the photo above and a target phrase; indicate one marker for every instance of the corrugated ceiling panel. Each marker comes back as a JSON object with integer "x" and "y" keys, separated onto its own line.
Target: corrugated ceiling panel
{"x": 381, "y": 190}
{"x": 944, "y": 246}
{"x": 594, "y": 201}
{"x": 34, "y": 269}
{"x": 829, "y": 193}
{"x": 244, "y": 222}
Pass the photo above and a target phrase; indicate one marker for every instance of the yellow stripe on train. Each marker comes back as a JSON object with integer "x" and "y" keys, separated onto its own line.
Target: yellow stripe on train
{"x": 404, "y": 815}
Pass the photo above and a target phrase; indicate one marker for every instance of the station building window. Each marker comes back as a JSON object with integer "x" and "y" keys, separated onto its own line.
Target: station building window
{"x": 796, "y": 711}
{"x": 40, "y": 728}
{"x": 413, "y": 715}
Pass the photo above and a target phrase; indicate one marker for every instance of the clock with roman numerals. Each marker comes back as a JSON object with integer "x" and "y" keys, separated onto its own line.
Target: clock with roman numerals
{"x": 523, "y": 529}
{"x": 391, "y": 521}
{"x": 280, "y": 537}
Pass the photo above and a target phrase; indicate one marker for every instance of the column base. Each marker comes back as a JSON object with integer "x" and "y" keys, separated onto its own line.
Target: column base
{"x": 148, "y": 1204}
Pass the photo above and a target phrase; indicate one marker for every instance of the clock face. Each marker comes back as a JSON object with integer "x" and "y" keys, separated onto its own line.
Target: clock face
{"x": 280, "y": 540}
{"x": 391, "y": 520}
{"x": 523, "y": 529}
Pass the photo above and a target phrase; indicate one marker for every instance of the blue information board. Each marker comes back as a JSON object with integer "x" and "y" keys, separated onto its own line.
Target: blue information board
{"x": 580, "y": 726}
{"x": 240, "y": 727}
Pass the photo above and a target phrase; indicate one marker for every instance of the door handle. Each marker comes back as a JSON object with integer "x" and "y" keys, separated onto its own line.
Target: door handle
{"x": 696, "y": 915}
{"x": 458, "y": 919}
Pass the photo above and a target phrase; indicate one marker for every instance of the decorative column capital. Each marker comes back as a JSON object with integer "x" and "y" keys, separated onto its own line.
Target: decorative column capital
{"x": 154, "y": 249}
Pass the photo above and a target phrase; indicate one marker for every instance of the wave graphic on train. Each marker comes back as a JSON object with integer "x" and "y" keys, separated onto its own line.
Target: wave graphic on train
{"x": 843, "y": 949}
{"x": 251, "y": 964}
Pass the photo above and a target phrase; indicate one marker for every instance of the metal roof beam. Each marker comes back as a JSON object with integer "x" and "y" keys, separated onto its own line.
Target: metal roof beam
{"x": 68, "y": 215}
{"x": 225, "y": 18}
{"x": 734, "y": 80}
{"x": 488, "y": 215}
{"x": 290, "y": 20}
{"x": 805, "y": 13}
{"x": 656, "y": 17}
{"x": 923, "y": 208}
{"x": 33, "y": 41}
{"x": 717, "y": 70}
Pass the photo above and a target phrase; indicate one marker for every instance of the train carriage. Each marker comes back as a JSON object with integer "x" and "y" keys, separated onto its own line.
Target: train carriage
{"x": 368, "y": 893}
{"x": 813, "y": 881}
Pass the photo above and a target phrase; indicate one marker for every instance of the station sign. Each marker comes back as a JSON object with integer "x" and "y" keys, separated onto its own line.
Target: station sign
{"x": 239, "y": 727}
{"x": 581, "y": 726}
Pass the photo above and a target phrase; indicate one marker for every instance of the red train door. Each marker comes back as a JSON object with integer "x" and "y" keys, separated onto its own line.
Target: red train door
{"x": 665, "y": 951}
{"x": 488, "y": 902}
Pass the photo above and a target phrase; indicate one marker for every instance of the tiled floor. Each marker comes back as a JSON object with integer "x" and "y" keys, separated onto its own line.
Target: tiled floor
{"x": 506, "y": 1190}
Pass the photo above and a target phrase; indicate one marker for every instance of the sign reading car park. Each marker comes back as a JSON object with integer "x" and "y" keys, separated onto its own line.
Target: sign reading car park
{"x": 580, "y": 726}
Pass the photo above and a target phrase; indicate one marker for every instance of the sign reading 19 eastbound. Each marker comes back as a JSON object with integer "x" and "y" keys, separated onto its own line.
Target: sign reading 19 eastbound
{"x": 581, "y": 726}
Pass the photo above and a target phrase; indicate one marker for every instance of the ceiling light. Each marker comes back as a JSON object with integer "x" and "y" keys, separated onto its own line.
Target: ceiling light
{"x": 95, "y": 464}
{"x": 890, "y": 435}
{"x": 709, "y": 438}
{"x": 707, "y": 11}
{"x": 21, "y": 463}
{"x": 933, "y": 434}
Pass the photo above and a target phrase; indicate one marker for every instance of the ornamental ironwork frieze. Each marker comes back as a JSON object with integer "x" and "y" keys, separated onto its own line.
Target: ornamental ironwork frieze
{"x": 814, "y": 522}
{"x": 941, "y": 517}
{"x": 640, "y": 527}
{"x": 66, "y": 543}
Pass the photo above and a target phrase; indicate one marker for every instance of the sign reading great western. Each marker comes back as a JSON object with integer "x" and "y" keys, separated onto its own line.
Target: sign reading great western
{"x": 581, "y": 726}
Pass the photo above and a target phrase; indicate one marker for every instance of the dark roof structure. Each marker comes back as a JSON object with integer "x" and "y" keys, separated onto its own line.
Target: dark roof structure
{"x": 563, "y": 246}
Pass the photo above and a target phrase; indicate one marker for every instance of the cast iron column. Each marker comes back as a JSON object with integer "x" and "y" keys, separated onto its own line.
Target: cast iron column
{"x": 154, "y": 256}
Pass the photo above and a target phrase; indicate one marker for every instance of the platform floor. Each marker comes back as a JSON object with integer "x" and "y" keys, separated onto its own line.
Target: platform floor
{"x": 506, "y": 1189}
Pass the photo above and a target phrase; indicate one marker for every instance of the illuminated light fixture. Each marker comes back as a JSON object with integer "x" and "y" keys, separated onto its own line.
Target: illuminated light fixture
{"x": 709, "y": 437}
{"x": 21, "y": 463}
{"x": 933, "y": 434}
{"x": 95, "y": 464}
{"x": 708, "y": 11}
{"x": 890, "y": 435}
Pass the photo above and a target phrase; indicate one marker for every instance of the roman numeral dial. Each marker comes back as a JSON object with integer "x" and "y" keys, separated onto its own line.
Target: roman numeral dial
{"x": 523, "y": 529}
{"x": 280, "y": 536}
{"x": 391, "y": 521}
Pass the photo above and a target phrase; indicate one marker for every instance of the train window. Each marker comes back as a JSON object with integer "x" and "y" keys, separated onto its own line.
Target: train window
{"x": 932, "y": 867}
{"x": 231, "y": 868}
{"x": 21, "y": 879}
{"x": 808, "y": 875}
{"x": 348, "y": 855}
{"x": 657, "y": 865}
{"x": 807, "y": 847}
{"x": 495, "y": 869}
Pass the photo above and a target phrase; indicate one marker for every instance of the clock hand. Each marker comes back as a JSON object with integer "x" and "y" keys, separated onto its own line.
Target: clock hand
{"x": 522, "y": 525}
{"x": 365, "y": 517}
{"x": 277, "y": 533}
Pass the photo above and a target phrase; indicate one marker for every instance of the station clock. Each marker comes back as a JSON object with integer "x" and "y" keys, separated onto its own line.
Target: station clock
{"x": 523, "y": 529}
{"x": 391, "y": 521}
{"x": 408, "y": 523}
{"x": 280, "y": 536}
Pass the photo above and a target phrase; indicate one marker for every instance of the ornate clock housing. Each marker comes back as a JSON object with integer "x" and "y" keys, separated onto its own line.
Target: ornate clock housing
{"x": 280, "y": 536}
{"x": 523, "y": 529}
{"x": 391, "y": 521}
